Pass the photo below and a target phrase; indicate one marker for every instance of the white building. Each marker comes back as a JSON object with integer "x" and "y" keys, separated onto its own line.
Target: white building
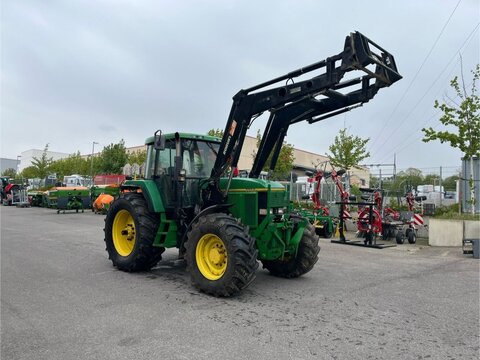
{"x": 27, "y": 157}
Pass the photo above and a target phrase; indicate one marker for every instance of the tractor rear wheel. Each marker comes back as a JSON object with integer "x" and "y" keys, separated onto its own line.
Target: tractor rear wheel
{"x": 129, "y": 233}
{"x": 307, "y": 256}
{"x": 221, "y": 255}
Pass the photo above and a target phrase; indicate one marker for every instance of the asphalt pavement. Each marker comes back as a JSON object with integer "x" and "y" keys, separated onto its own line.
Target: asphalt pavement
{"x": 61, "y": 298}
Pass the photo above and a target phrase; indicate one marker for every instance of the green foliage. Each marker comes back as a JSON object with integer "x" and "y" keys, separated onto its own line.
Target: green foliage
{"x": 74, "y": 164}
{"x": 138, "y": 157}
{"x": 284, "y": 165}
{"x": 347, "y": 151}
{"x": 355, "y": 190}
{"x": 113, "y": 158}
{"x": 452, "y": 212}
{"x": 404, "y": 181}
{"x": 463, "y": 117}
{"x": 450, "y": 183}
{"x": 41, "y": 165}
{"x": 110, "y": 161}
{"x": 215, "y": 132}
{"x": 9, "y": 173}
{"x": 30, "y": 172}
{"x": 433, "y": 179}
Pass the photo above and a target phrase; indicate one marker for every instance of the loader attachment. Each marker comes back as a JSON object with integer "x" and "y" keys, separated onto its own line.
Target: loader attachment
{"x": 321, "y": 96}
{"x": 386, "y": 72}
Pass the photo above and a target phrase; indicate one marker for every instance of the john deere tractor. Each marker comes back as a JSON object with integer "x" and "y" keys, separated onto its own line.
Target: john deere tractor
{"x": 222, "y": 224}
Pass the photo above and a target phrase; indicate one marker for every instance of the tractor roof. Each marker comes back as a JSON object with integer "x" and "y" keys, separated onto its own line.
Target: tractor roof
{"x": 171, "y": 136}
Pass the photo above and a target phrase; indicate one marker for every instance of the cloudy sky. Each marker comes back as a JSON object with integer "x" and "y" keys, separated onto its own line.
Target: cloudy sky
{"x": 74, "y": 72}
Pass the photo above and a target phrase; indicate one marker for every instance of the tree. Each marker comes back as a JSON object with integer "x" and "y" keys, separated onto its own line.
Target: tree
{"x": 10, "y": 172}
{"x": 284, "y": 165}
{"x": 450, "y": 183}
{"x": 73, "y": 164}
{"x": 41, "y": 165}
{"x": 410, "y": 179}
{"x": 30, "y": 172}
{"x": 113, "y": 158}
{"x": 433, "y": 179}
{"x": 347, "y": 151}
{"x": 215, "y": 132}
{"x": 137, "y": 157}
{"x": 465, "y": 119}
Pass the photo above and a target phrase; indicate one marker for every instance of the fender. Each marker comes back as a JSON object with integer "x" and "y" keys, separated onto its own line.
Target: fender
{"x": 150, "y": 192}
{"x": 206, "y": 211}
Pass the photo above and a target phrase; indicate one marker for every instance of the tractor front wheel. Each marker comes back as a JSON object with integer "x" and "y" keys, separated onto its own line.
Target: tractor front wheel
{"x": 221, "y": 255}
{"x": 307, "y": 256}
{"x": 129, "y": 233}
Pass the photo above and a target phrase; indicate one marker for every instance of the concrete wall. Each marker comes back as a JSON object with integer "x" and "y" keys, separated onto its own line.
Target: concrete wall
{"x": 452, "y": 232}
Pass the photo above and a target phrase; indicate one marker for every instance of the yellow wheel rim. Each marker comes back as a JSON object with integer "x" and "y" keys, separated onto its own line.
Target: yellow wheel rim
{"x": 211, "y": 256}
{"x": 123, "y": 233}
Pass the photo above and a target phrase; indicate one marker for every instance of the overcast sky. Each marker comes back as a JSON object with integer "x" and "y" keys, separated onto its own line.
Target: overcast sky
{"x": 74, "y": 72}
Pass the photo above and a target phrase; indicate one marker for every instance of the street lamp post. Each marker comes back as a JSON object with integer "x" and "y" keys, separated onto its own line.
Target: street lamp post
{"x": 18, "y": 164}
{"x": 91, "y": 163}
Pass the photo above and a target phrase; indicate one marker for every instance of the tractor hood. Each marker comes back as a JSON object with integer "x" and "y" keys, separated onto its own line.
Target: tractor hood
{"x": 250, "y": 185}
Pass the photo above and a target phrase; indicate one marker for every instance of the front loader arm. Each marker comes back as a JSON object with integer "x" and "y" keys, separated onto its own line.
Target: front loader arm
{"x": 311, "y": 100}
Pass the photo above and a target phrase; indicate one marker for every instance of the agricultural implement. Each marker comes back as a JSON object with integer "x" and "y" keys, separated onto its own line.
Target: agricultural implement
{"x": 72, "y": 198}
{"x": 221, "y": 224}
{"x": 14, "y": 194}
{"x": 319, "y": 215}
{"x": 369, "y": 222}
{"x": 411, "y": 219}
{"x": 102, "y": 196}
{"x": 37, "y": 198}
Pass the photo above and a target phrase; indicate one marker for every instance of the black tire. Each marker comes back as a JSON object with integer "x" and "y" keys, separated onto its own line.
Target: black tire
{"x": 238, "y": 255}
{"x": 368, "y": 238}
{"x": 307, "y": 256}
{"x": 399, "y": 237}
{"x": 411, "y": 236}
{"x": 327, "y": 233}
{"x": 385, "y": 233}
{"x": 143, "y": 255}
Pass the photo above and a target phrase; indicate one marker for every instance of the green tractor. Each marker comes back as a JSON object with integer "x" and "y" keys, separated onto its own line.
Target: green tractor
{"x": 222, "y": 224}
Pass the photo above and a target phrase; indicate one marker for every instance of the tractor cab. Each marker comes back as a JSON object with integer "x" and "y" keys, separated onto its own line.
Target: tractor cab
{"x": 196, "y": 157}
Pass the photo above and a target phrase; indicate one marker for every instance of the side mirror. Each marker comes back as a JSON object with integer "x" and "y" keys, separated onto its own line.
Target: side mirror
{"x": 159, "y": 140}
